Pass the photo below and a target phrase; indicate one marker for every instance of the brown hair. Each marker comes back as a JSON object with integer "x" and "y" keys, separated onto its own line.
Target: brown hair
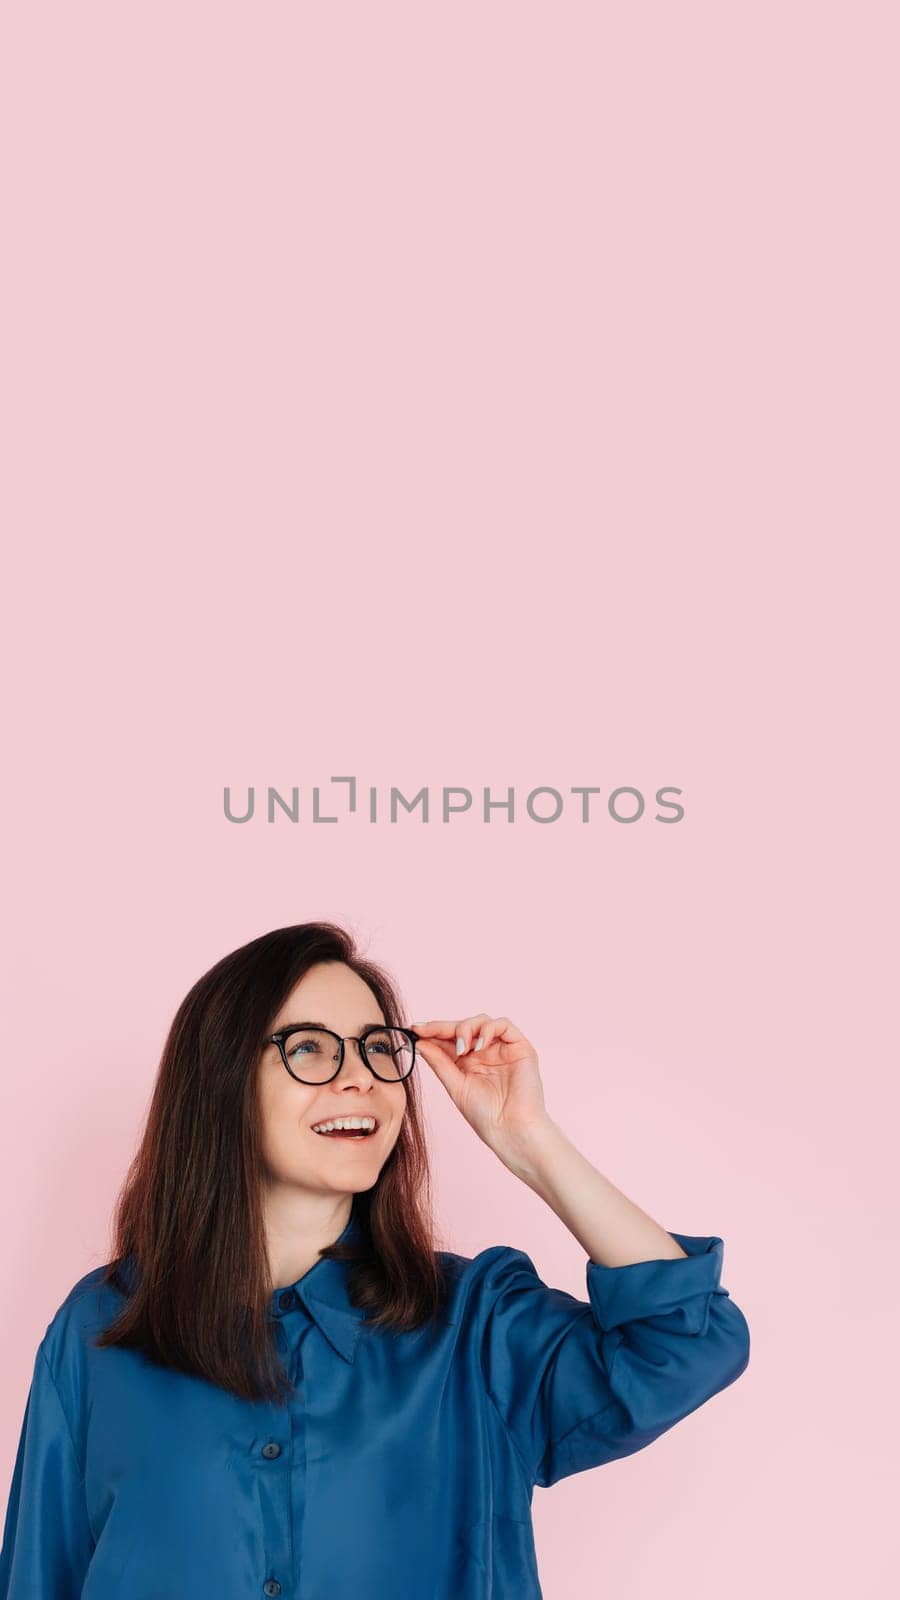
{"x": 189, "y": 1216}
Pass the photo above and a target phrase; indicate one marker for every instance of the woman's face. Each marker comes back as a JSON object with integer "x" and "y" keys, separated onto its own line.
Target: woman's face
{"x": 332, "y": 996}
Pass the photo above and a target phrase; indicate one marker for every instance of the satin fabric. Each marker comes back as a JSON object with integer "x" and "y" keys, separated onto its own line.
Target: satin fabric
{"x": 404, "y": 1469}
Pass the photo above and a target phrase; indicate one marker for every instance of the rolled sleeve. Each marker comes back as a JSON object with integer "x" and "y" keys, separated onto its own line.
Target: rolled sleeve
{"x": 47, "y": 1542}
{"x": 579, "y": 1383}
{"x": 650, "y": 1288}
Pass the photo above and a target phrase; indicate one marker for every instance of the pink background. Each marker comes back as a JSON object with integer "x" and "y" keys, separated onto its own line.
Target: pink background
{"x": 485, "y": 395}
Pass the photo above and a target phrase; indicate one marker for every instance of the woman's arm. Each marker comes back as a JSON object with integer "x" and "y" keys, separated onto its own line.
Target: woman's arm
{"x": 610, "y": 1228}
{"x": 582, "y": 1382}
{"x": 47, "y": 1541}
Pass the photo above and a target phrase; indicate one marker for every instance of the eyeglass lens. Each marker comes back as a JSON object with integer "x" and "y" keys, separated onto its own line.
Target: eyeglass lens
{"x": 312, "y": 1054}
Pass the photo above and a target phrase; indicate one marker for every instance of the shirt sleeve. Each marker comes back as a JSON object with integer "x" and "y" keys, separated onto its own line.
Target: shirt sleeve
{"x": 47, "y": 1541}
{"x": 581, "y": 1383}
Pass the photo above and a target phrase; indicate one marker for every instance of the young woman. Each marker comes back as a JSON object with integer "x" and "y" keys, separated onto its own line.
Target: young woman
{"x": 278, "y": 1386}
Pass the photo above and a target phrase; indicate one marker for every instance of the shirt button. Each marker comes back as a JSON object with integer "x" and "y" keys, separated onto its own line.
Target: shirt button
{"x": 271, "y": 1586}
{"x": 271, "y": 1450}
{"x": 285, "y": 1301}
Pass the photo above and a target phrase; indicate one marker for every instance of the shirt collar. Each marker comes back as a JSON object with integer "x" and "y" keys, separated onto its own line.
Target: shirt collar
{"x": 323, "y": 1291}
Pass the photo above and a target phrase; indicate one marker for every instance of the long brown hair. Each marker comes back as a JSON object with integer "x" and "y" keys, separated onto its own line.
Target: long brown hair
{"x": 189, "y": 1235}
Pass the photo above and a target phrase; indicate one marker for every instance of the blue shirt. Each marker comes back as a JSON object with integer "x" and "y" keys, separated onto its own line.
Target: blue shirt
{"x": 400, "y": 1471}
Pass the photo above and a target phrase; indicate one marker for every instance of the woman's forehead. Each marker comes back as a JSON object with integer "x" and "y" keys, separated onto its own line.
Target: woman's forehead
{"x": 331, "y": 995}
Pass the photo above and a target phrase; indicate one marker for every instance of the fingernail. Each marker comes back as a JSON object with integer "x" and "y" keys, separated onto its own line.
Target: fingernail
{"x": 460, "y": 1045}
{"x": 479, "y": 1042}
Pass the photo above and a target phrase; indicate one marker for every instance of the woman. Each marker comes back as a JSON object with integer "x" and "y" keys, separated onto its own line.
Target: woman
{"x": 278, "y": 1386}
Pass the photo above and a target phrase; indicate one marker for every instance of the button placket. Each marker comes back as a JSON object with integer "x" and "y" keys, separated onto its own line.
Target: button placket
{"x": 274, "y": 1497}
{"x": 289, "y": 1336}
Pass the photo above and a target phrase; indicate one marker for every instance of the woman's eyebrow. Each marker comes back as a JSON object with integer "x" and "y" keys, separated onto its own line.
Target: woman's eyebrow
{"x": 308, "y": 1024}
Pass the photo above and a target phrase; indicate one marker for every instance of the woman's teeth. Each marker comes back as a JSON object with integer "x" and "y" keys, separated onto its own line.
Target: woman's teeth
{"x": 360, "y": 1126}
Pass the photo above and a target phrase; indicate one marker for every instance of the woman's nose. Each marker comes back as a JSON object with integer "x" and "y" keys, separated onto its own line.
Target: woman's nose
{"x": 354, "y": 1063}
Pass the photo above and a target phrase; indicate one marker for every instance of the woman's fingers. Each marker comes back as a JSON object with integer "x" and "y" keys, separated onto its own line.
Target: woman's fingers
{"x": 461, "y": 1031}
{"x": 470, "y": 1033}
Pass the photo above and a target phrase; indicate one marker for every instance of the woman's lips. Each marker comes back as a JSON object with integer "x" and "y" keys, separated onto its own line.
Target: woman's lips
{"x": 348, "y": 1134}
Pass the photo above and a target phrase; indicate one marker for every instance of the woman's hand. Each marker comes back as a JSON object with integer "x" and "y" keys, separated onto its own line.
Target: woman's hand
{"x": 494, "y": 1081}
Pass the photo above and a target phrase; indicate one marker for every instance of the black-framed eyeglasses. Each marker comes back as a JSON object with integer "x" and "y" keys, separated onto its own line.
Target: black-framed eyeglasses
{"x": 316, "y": 1055}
